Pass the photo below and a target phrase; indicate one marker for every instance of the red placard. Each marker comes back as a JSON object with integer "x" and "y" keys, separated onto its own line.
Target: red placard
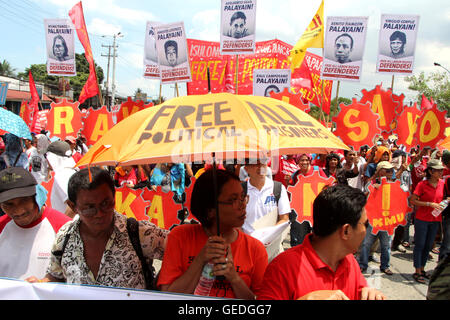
{"x": 356, "y": 124}
{"x": 129, "y": 107}
{"x": 96, "y": 124}
{"x": 407, "y": 126}
{"x": 64, "y": 119}
{"x": 387, "y": 206}
{"x": 304, "y": 192}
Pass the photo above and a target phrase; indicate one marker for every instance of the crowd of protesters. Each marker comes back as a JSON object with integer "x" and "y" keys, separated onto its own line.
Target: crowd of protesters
{"x": 81, "y": 239}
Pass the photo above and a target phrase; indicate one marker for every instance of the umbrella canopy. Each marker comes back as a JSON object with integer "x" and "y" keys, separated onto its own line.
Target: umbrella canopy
{"x": 194, "y": 128}
{"x": 12, "y": 123}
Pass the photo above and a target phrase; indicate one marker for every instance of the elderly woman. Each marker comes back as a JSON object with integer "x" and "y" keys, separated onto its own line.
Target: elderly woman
{"x": 239, "y": 260}
{"x": 426, "y": 197}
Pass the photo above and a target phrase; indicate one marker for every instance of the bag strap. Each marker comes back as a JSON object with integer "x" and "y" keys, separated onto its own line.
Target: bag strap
{"x": 133, "y": 233}
{"x": 277, "y": 190}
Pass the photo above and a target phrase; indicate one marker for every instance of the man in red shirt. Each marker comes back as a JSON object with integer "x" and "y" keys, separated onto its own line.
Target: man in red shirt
{"x": 323, "y": 266}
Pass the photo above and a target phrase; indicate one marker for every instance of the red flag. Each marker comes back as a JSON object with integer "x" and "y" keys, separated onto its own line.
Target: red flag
{"x": 90, "y": 89}
{"x": 426, "y": 104}
{"x": 34, "y": 103}
{"x": 229, "y": 85}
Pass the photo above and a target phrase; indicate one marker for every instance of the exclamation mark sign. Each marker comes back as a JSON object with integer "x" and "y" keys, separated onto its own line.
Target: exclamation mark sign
{"x": 386, "y": 200}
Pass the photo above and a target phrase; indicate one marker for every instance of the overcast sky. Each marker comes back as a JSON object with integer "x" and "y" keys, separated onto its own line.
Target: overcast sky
{"x": 24, "y": 39}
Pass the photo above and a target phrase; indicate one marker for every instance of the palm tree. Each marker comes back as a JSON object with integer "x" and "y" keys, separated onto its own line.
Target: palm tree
{"x": 6, "y": 69}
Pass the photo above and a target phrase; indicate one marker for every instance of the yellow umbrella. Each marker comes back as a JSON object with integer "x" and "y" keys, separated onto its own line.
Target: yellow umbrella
{"x": 194, "y": 128}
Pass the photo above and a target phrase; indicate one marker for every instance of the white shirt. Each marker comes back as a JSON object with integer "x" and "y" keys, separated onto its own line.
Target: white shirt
{"x": 261, "y": 202}
{"x": 356, "y": 182}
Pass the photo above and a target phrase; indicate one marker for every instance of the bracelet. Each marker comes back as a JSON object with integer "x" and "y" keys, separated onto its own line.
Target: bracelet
{"x": 428, "y": 204}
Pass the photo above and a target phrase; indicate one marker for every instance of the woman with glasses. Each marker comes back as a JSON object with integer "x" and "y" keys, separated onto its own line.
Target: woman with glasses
{"x": 239, "y": 261}
{"x": 95, "y": 248}
{"x": 426, "y": 197}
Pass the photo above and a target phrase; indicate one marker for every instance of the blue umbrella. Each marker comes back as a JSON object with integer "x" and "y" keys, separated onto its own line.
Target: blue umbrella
{"x": 12, "y": 123}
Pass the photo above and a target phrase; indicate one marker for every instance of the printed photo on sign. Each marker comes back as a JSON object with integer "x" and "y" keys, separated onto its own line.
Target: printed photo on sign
{"x": 172, "y": 53}
{"x": 238, "y": 26}
{"x": 266, "y": 81}
{"x": 60, "y": 47}
{"x": 151, "y": 66}
{"x": 345, "y": 39}
{"x": 397, "y": 43}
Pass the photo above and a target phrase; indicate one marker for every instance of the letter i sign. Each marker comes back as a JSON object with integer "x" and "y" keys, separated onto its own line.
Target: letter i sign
{"x": 387, "y": 206}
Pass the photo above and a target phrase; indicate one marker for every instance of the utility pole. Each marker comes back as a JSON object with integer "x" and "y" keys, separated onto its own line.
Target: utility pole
{"x": 107, "y": 75}
{"x": 113, "y": 95}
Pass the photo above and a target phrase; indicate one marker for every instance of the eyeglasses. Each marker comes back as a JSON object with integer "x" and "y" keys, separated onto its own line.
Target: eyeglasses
{"x": 105, "y": 206}
{"x": 236, "y": 203}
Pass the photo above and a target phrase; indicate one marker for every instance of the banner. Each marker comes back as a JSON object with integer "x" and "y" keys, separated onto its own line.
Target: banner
{"x": 266, "y": 81}
{"x": 397, "y": 43}
{"x": 238, "y": 25}
{"x": 345, "y": 39}
{"x": 59, "y": 34}
{"x": 151, "y": 66}
{"x": 270, "y": 54}
{"x": 172, "y": 52}
{"x": 11, "y": 289}
{"x": 3, "y": 92}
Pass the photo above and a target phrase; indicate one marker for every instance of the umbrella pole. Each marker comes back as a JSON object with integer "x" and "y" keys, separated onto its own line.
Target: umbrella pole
{"x": 216, "y": 195}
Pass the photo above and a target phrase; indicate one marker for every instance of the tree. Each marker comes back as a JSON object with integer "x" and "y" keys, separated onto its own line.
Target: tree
{"x": 6, "y": 69}
{"x": 436, "y": 86}
{"x": 334, "y": 108}
{"x": 39, "y": 72}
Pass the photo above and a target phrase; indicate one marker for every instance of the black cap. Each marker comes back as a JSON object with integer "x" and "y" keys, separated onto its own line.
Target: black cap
{"x": 16, "y": 182}
{"x": 60, "y": 148}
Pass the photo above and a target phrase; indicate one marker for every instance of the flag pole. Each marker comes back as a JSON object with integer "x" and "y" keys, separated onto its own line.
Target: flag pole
{"x": 337, "y": 95}
{"x": 160, "y": 92}
{"x": 392, "y": 84}
{"x": 237, "y": 72}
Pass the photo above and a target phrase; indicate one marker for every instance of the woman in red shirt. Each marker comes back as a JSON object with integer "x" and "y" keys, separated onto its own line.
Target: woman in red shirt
{"x": 426, "y": 197}
{"x": 239, "y": 260}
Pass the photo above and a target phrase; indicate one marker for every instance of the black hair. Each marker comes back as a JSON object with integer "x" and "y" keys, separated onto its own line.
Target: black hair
{"x": 336, "y": 206}
{"x": 80, "y": 181}
{"x": 332, "y": 156}
{"x": 345, "y": 35}
{"x": 398, "y": 35}
{"x": 202, "y": 198}
{"x": 171, "y": 43}
{"x": 238, "y": 15}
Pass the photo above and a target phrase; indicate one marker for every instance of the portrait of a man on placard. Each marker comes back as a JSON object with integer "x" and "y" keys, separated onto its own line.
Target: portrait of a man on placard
{"x": 343, "y": 47}
{"x": 238, "y": 27}
{"x": 171, "y": 50}
{"x": 397, "y": 42}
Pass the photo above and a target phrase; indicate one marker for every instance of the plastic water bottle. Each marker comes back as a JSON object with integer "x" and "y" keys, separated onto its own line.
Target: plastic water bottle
{"x": 442, "y": 206}
{"x": 206, "y": 281}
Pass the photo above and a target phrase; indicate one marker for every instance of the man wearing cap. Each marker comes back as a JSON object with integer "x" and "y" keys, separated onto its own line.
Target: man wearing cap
{"x": 384, "y": 169}
{"x": 427, "y": 196}
{"x": 28, "y": 229}
{"x": 59, "y": 157}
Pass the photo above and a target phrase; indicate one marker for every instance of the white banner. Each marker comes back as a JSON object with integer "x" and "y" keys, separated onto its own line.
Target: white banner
{"x": 11, "y": 289}
{"x": 397, "y": 43}
{"x": 173, "y": 58}
{"x": 267, "y": 80}
{"x": 151, "y": 66}
{"x": 345, "y": 39}
{"x": 238, "y": 25}
{"x": 60, "y": 47}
